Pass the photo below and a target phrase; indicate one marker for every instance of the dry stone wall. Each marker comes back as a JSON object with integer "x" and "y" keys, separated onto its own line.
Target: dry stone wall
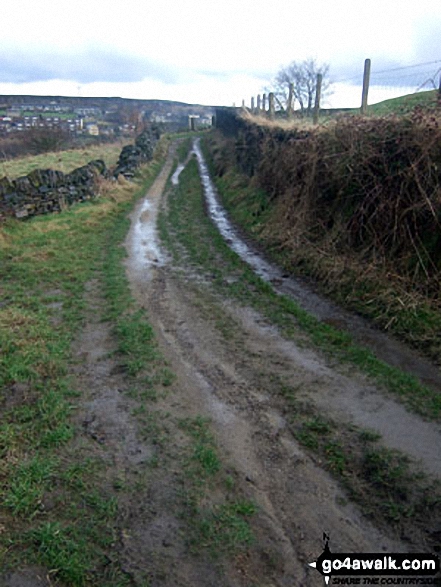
{"x": 134, "y": 155}
{"x": 44, "y": 190}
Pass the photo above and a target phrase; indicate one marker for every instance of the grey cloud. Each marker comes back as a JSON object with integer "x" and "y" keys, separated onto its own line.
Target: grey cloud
{"x": 352, "y": 72}
{"x": 426, "y": 41}
{"x": 91, "y": 65}
{"x": 389, "y": 73}
{"x": 423, "y": 67}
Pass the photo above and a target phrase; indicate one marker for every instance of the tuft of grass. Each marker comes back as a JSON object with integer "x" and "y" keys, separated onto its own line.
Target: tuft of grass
{"x": 25, "y": 491}
{"x": 204, "y": 462}
{"x": 225, "y": 528}
{"x": 63, "y": 550}
{"x": 379, "y": 479}
{"x": 218, "y": 528}
{"x": 137, "y": 342}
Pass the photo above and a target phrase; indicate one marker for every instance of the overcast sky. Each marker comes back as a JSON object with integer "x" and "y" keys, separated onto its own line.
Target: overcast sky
{"x": 215, "y": 53}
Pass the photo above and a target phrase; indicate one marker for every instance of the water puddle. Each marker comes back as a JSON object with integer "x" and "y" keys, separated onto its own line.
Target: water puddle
{"x": 382, "y": 345}
{"x": 177, "y": 173}
{"x": 142, "y": 241}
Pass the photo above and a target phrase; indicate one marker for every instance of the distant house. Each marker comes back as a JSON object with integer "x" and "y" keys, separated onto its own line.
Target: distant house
{"x": 14, "y": 112}
{"x": 92, "y": 129}
{"x": 92, "y": 111}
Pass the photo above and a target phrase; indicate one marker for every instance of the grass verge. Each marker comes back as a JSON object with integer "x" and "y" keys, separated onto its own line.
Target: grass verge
{"x": 56, "y": 508}
{"x": 373, "y": 288}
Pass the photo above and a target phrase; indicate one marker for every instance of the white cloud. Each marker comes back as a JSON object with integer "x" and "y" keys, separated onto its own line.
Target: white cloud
{"x": 186, "y": 45}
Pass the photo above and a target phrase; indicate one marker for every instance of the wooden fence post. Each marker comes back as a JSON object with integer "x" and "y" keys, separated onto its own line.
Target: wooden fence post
{"x": 366, "y": 78}
{"x": 318, "y": 93}
{"x": 290, "y": 99}
{"x": 271, "y": 105}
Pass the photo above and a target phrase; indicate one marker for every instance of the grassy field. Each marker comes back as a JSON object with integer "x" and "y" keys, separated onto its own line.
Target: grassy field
{"x": 64, "y": 161}
{"x": 404, "y": 104}
{"x": 395, "y": 106}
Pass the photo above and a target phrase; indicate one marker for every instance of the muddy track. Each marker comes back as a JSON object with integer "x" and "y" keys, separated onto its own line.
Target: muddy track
{"x": 230, "y": 364}
{"x": 230, "y": 378}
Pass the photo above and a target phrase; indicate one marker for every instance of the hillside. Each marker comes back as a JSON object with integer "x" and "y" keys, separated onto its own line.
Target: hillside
{"x": 404, "y": 104}
{"x": 104, "y": 104}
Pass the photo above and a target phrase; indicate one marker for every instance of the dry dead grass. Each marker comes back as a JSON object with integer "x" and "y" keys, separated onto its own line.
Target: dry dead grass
{"x": 4, "y": 239}
{"x": 286, "y": 124}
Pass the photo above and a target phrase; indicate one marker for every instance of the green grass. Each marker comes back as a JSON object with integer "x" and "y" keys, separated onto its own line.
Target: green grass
{"x": 204, "y": 462}
{"x": 62, "y": 549}
{"x": 136, "y": 341}
{"x": 25, "y": 491}
{"x": 404, "y": 104}
{"x": 56, "y": 508}
{"x": 65, "y": 161}
{"x": 218, "y": 528}
{"x": 224, "y": 528}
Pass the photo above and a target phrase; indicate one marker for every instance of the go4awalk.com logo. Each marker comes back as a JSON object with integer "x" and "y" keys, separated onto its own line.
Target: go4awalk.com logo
{"x": 377, "y": 569}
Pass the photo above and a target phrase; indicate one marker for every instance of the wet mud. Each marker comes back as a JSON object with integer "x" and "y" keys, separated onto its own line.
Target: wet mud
{"x": 233, "y": 383}
{"x": 296, "y": 499}
{"x": 383, "y": 346}
{"x": 223, "y": 380}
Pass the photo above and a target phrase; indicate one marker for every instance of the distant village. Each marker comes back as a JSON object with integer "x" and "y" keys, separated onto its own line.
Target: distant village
{"x": 106, "y": 117}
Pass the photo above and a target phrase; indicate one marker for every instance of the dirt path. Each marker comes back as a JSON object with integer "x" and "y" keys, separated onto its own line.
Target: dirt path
{"x": 194, "y": 463}
{"x": 224, "y": 412}
{"x": 230, "y": 379}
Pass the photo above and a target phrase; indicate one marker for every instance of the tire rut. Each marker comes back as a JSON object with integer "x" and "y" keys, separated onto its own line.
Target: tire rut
{"x": 297, "y": 500}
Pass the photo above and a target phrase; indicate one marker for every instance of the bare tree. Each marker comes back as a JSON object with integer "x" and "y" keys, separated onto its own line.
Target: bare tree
{"x": 303, "y": 76}
{"x": 132, "y": 115}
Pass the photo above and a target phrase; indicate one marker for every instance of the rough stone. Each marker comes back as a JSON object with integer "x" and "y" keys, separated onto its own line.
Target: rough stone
{"x": 45, "y": 190}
